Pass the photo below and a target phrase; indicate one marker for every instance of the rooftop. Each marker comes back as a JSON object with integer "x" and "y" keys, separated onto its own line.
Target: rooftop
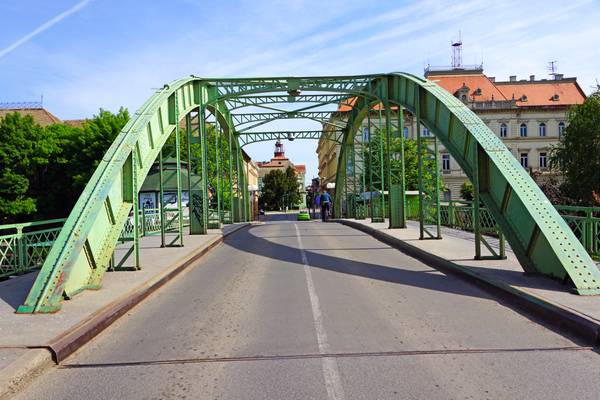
{"x": 472, "y": 86}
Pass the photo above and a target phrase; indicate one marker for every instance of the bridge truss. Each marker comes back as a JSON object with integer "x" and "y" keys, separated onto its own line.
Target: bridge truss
{"x": 365, "y": 114}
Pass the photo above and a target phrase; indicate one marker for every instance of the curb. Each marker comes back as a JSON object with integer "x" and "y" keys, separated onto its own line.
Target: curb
{"x": 554, "y": 314}
{"x": 30, "y": 364}
{"x": 64, "y": 345}
{"x": 35, "y": 360}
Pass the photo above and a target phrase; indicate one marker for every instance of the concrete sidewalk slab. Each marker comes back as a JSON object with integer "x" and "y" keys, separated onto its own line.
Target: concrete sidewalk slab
{"x": 86, "y": 315}
{"x": 551, "y": 299}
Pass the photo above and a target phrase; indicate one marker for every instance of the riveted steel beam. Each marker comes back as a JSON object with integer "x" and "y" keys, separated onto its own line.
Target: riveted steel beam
{"x": 540, "y": 238}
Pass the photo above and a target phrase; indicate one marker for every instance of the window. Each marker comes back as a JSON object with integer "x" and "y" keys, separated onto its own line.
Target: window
{"x": 406, "y": 132}
{"x": 542, "y": 129}
{"x": 524, "y": 160}
{"x": 523, "y": 130}
{"x": 503, "y": 130}
{"x": 426, "y": 132}
{"x": 543, "y": 160}
{"x": 561, "y": 129}
{"x": 446, "y": 162}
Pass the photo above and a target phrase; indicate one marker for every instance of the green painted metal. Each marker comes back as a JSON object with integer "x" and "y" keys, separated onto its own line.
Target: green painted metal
{"x": 463, "y": 215}
{"x": 25, "y": 246}
{"x": 161, "y": 200}
{"x": 538, "y": 235}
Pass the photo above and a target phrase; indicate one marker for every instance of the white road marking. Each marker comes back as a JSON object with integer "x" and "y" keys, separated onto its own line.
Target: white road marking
{"x": 331, "y": 373}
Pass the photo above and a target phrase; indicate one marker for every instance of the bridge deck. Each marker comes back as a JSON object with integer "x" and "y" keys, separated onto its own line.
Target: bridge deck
{"x": 299, "y": 310}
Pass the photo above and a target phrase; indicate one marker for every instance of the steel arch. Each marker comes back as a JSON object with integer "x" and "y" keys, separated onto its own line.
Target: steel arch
{"x": 540, "y": 238}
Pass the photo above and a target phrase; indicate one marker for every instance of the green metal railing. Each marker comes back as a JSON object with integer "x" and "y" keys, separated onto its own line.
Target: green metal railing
{"x": 583, "y": 221}
{"x": 24, "y": 247}
{"x": 149, "y": 223}
{"x": 585, "y": 224}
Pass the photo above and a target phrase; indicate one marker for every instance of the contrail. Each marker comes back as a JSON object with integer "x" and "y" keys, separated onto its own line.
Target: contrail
{"x": 44, "y": 26}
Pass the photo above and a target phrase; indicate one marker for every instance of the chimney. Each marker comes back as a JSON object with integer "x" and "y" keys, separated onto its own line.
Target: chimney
{"x": 532, "y": 78}
{"x": 492, "y": 78}
{"x": 512, "y": 78}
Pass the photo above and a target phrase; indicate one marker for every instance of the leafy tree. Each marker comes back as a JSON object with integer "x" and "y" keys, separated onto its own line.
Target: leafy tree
{"x": 466, "y": 191}
{"x": 25, "y": 149}
{"x": 577, "y": 154}
{"x": 44, "y": 170}
{"x": 280, "y": 189}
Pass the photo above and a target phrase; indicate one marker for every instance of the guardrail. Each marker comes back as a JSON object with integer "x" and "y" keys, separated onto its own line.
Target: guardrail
{"x": 583, "y": 221}
{"x": 24, "y": 247}
{"x": 149, "y": 222}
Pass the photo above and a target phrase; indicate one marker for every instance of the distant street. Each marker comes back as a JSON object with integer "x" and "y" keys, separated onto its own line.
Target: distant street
{"x": 307, "y": 310}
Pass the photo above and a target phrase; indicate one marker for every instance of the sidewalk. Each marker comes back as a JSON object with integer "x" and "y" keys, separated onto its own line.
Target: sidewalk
{"x": 457, "y": 249}
{"x": 25, "y": 338}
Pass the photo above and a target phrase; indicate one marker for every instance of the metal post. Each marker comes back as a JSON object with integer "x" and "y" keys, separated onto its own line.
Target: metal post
{"x": 420, "y": 166}
{"x": 188, "y": 129}
{"x": 393, "y": 202}
{"x": 354, "y": 192}
{"x": 437, "y": 189}
{"x": 402, "y": 168}
{"x": 218, "y": 171}
{"x": 161, "y": 201}
{"x": 381, "y": 164}
{"x": 476, "y": 217}
{"x": 230, "y": 176}
{"x": 369, "y": 163}
{"x": 136, "y": 228}
{"x": 21, "y": 250}
{"x": 178, "y": 166}
{"x": 204, "y": 167}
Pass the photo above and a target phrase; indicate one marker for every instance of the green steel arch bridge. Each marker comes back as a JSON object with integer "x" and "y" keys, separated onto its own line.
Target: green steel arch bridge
{"x": 237, "y": 110}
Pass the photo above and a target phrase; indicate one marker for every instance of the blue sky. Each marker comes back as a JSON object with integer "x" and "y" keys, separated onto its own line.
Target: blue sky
{"x": 83, "y": 55}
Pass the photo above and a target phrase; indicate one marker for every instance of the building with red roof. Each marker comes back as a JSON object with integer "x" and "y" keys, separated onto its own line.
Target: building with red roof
{"x": 281, "y": 162}
{"x": 528, "y": 115}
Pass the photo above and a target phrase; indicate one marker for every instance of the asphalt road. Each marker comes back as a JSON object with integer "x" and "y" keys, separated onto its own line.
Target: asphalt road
{"x": 306, "y": 310}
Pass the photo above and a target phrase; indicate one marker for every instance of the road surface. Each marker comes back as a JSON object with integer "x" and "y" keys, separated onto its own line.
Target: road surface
{"x": 307, "y": 310}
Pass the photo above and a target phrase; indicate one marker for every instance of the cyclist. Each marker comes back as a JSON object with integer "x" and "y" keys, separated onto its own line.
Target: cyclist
{"x": 325, "y": 205}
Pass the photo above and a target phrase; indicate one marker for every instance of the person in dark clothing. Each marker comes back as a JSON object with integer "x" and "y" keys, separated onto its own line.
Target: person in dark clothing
{"x": 325, "y": 205}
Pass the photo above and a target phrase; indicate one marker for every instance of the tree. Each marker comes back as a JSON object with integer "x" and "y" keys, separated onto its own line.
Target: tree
{"x": 44, "y": 170}
{"x": 280, "y": 189}
{"x": 24, "y": 150}
{"x": 466, "y": 191}
{"x": 577, "y": 154}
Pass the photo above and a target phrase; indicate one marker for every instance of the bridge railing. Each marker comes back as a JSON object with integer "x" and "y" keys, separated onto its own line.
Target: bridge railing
{"x": 149, "y": 222}
{"x": 24, "y": 246}
{"x": 583, "y": 221}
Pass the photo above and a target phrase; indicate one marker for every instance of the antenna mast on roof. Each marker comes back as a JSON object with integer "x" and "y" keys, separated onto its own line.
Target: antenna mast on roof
{"x": 553, "y": 69}
{"x": 457, "y": 52}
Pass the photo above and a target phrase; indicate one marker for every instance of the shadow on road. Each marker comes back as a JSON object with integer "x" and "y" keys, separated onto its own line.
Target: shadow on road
{"x": 250, "y": 241}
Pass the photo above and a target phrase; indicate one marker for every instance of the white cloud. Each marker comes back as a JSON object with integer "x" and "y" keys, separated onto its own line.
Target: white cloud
{"x": 324, "y": 38}
{"x": 46, "y": 25}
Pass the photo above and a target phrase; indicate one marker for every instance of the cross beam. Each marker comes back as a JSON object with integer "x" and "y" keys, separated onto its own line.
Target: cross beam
{"x": 254, "y": 137}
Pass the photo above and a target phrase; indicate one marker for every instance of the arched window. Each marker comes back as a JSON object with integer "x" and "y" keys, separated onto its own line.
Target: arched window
{"x": 406, "y": 132}
{"x": 523, "y": 130}
{"x": 503, "y": 130}
{"x": 561, "y": 128}
{"x": 542, "y": 129}
{"x": 426, "y": 132}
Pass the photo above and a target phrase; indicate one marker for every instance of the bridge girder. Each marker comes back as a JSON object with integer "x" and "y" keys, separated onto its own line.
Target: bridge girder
{"x": 538, "y": 235}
